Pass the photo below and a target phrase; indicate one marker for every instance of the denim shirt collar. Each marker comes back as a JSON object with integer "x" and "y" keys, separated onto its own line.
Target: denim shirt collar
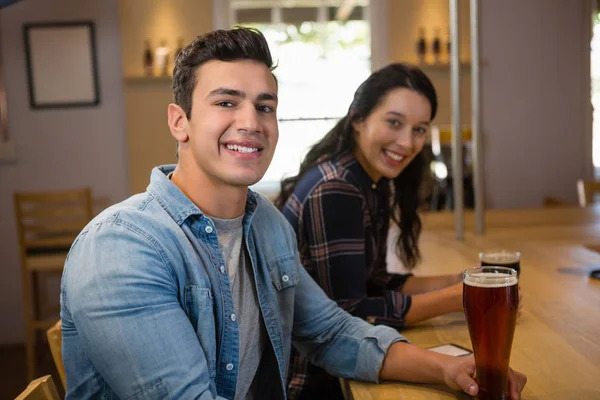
{"x": 176, "y": 203}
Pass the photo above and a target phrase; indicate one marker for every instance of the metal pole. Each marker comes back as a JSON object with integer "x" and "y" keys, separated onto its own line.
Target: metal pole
{"x": 379, "y": 32}
{"x": 4, "y": 135}
{"x": 457, "y": 149}
{"x": 476, "y": 120}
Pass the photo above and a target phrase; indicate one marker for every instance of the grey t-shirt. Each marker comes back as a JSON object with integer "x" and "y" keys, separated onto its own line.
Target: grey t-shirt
{"x": 245, "y": 300}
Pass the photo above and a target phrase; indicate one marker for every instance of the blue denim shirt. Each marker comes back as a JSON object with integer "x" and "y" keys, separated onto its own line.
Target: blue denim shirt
{"x": 147, "y": 311}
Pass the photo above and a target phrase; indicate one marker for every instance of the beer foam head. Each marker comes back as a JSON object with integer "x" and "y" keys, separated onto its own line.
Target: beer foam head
{"x": 489, "y": 279}
{"x": 500, "y": 256}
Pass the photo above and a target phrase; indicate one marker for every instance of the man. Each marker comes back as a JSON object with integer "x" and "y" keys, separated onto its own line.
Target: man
{"x": 194, "y": 288}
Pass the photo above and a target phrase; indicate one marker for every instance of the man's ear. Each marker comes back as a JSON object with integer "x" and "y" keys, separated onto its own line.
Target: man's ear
{"x": 178, "y": 123}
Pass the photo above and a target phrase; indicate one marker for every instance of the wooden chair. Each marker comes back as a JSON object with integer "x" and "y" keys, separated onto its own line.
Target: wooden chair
{"x": 54, "y": 335}
{"x": 551, "y": 201}
{"x": 586, "y": 191}
{"x": 47, "y": 225}
{"x": 40, "y": 389}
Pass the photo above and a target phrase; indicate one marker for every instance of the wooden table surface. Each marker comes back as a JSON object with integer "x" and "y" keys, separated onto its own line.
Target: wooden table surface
{"x": 557, "y": 338}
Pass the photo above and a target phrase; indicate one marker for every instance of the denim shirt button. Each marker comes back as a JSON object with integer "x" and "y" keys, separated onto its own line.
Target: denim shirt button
{"x": 233, "y": 317}
{"x": 222, "y": 269}
{"x": 208, "y": 229}
{"x": 285, "y": 278}
{"x": 229, "y": 367}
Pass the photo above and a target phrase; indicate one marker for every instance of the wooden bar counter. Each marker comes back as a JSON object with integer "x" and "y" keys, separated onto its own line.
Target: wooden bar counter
{"x": 557, "y": 338}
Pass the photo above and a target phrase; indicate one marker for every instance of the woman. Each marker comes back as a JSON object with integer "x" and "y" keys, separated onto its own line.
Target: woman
{"x": 365, "y": 172}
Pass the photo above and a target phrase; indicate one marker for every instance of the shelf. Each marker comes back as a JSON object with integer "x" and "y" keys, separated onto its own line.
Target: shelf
{"x": 445, "y": 65}
{"x": 142, "y": 78}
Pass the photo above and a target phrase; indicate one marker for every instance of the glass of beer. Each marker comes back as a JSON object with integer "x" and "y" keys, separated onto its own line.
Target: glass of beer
{"x": 501, "y": 258}
{"x": 491, "y": 301}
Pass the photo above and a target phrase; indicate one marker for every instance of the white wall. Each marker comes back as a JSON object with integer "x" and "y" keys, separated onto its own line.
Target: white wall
{"x": 534, "y": 99}
{"x": 57, "y": 149}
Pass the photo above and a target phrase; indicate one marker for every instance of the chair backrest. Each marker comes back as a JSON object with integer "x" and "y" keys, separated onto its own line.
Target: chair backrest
{"x": 54, "y": 335}
{"x": 40, "y": 389}
{"x": 586, "y": 191}
{"x": 49, "y": 222}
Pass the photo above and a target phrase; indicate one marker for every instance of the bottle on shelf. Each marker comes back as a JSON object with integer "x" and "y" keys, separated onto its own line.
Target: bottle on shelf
{"x": 449, "y": 45}
{"x": 148, "y": 59}
{"x": 421, "y": 45}
{"x": 436, "y": 46}
{"x": 161, "y": 55}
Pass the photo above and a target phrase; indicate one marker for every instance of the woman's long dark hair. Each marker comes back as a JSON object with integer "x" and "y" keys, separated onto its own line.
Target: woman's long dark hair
{"x": 404, "y": 193}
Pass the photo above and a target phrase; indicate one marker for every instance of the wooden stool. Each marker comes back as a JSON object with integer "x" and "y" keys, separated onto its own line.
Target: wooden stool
{"x": 40, "y": 389}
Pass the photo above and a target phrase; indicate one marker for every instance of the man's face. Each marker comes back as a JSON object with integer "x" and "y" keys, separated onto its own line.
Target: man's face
{"x": 232, "y": 132}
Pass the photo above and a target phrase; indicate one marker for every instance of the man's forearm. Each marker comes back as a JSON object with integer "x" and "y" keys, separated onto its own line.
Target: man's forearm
{"x": 407, "y": 362}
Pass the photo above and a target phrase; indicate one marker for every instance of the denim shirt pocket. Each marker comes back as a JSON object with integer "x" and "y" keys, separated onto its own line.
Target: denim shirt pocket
{"x": 200, "y": 311}
{"x": 283, "y": 272}
{"x": 284, "y": 276}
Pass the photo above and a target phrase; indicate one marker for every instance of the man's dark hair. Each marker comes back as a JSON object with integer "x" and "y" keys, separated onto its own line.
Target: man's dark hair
{"x": 224, "y": 45}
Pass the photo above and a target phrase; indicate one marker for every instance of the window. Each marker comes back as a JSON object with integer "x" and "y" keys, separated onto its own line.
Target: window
{"x": 323, "y": 52}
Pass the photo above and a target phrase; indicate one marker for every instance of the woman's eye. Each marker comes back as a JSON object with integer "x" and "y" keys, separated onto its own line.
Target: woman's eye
{"x": 420, "y": 130}
{"x": 394, "y": 122}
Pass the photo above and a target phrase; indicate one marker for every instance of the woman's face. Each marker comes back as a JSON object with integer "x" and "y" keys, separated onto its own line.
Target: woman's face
{"x": 393, "y": 134}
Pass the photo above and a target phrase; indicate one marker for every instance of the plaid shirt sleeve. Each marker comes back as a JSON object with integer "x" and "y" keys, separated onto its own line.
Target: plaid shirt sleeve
{"x": 334, "y": 220}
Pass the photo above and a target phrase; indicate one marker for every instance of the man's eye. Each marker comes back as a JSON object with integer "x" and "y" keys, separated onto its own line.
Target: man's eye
{"x": 265, "y": 109}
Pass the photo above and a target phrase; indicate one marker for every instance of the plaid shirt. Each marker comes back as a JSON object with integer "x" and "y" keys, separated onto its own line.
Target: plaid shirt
{"x": 341, "y": 223}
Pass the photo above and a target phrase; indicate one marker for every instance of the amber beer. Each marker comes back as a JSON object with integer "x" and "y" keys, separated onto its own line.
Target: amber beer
{"x": 491, "y": 301}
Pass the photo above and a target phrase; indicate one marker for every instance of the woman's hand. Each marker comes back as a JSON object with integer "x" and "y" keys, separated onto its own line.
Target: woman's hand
{"x": 457, "y": 296}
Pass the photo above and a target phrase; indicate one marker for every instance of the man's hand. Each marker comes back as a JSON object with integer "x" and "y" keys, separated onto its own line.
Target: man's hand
{"x": 460, "y": 375}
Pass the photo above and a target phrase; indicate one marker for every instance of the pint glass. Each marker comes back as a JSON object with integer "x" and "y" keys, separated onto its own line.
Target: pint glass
{"x": 491, "y": 302}
{"x": 501, "y": 258}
